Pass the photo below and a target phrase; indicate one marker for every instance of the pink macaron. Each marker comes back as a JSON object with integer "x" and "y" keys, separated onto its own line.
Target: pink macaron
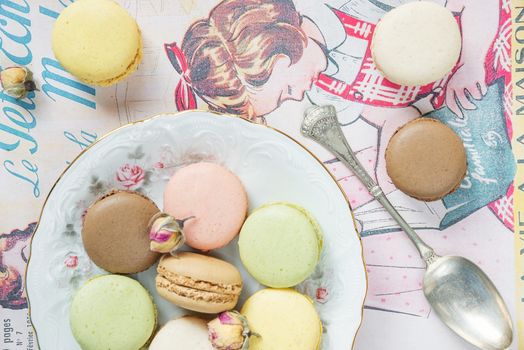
{"x": 214, "y": 196}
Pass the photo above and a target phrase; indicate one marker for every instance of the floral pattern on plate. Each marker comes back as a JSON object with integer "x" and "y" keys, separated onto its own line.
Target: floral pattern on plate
{"x": 142, "y": 157}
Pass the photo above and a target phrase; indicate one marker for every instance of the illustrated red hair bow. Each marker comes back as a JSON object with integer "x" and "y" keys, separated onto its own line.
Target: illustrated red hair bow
{"x": 185, "y": 97}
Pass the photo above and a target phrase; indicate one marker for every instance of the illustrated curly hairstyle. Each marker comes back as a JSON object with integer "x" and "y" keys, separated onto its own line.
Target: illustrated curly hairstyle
{"x": 236, "y": 48}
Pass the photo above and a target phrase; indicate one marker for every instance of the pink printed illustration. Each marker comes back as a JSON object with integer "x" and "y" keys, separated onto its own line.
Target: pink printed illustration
{"x": 13, "y": 258}
{"x": 249, "y": 57}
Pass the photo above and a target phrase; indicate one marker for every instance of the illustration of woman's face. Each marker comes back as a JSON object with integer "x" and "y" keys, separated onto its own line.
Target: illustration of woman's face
{"x": 289, "y": 81}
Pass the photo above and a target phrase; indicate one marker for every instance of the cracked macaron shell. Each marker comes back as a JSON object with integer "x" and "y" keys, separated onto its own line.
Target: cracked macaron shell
{"x": 198, "y": 282}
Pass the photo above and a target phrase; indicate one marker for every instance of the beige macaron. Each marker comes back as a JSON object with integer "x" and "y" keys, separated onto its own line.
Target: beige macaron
{"x": 416, "y": 43}
{"x": 426, "y": 159}
{"x": 198, "y": 282}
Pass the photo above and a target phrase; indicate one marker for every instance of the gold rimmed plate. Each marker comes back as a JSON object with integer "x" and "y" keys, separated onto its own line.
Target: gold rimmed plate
{"x": 142, "y": 157}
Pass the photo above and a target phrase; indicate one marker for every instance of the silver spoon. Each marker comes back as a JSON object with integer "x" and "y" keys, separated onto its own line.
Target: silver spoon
{"x": 458, "y": 290}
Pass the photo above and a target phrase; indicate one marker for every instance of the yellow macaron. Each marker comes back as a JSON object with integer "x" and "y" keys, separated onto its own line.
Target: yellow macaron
{"x": 283, "y": 319}
{"x": 97, "y": 41}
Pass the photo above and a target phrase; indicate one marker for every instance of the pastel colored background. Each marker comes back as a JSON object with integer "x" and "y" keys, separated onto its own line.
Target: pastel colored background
{"x": 42, "y": 133}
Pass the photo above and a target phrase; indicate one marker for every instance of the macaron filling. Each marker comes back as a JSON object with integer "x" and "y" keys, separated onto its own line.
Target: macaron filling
{"x": 198, "y": 282}
{"x": 195, "y": 289}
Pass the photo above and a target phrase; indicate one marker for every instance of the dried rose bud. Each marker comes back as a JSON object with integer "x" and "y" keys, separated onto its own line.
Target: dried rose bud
{"x": 165, "y": 233}
{"x": 229, "y": 331}
{"x": 17, "y": 81}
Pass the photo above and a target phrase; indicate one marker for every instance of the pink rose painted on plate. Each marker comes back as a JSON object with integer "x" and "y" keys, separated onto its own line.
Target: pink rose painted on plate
{"x": 130, "y": 176}
{"x": 71, "y": 261}
{"x": 322, "y": 295}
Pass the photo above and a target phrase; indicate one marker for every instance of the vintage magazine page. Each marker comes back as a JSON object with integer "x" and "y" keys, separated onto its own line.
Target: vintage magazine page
{"x": 482, "y": 100}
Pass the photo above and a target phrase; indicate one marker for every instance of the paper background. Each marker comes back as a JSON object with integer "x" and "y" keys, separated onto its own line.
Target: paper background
{"x": 48, "y": 130}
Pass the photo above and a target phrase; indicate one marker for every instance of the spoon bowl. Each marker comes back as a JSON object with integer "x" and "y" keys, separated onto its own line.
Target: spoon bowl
{"x": 467, "y": 301}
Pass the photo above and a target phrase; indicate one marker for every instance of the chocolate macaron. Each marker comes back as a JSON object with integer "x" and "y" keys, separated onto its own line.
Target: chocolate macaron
{"x": 115, "y": 232}
{"x": 426, "y": 159}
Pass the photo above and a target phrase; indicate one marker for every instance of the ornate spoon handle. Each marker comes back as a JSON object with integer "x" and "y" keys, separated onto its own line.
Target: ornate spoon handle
{"x": 321, "y": 124}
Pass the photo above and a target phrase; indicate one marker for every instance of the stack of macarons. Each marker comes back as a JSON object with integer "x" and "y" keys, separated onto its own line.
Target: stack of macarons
{"x": 205, "y": 208}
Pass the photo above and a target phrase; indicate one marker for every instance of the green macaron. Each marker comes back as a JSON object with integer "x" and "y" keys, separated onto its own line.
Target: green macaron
{"x": 112, "y": 312}
{"x": 280, "y": 244}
